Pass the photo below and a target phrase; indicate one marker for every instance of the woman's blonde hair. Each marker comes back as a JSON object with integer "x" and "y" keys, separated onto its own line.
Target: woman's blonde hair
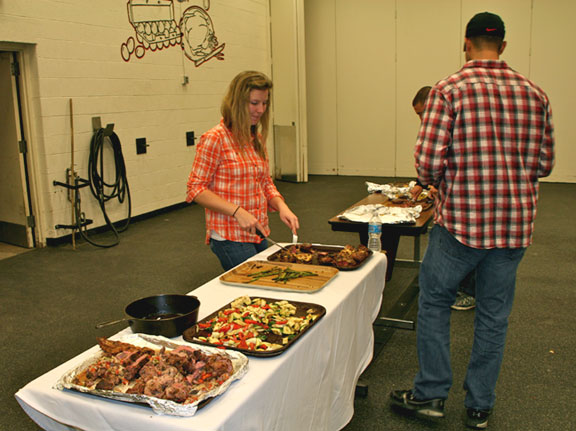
{"x": 236, "y": 113}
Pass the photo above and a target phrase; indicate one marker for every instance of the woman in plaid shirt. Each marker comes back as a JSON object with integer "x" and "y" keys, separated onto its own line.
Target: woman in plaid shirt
{"x": 230, "y": 175}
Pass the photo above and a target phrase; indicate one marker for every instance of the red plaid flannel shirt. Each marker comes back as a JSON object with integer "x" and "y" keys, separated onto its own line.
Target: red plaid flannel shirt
{"x": 485, "y": 139}
{"x": 243, "y": 179}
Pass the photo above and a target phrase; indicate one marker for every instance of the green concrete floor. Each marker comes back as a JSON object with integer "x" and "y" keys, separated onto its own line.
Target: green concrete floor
{"x": 51, "y": 299}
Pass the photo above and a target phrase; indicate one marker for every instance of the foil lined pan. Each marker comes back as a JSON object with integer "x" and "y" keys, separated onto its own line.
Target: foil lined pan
{"x": 159, "y": 406}
{"x": 392, "y": 191}
{"x": 387, "y": 215}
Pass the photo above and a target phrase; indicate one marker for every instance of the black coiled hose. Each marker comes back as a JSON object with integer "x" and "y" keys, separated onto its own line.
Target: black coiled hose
{"x": 104, "y": 191}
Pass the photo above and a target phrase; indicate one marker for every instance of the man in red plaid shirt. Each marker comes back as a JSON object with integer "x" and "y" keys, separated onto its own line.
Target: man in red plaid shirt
{"x": 485, "y": 140}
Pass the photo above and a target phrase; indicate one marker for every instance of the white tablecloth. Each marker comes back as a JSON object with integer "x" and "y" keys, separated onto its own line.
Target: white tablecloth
{"x": 308, "y": 387}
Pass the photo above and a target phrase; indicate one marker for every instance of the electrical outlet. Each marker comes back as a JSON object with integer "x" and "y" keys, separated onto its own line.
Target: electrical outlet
{"x": 190, "y": 139}
{"x": 141, "y": 146}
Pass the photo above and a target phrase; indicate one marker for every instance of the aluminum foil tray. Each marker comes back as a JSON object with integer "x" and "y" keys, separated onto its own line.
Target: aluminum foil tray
{"x": 159, "y": 406}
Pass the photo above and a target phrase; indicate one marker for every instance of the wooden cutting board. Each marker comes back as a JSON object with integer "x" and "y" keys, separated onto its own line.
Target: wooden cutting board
{"x": 241, "y": 275}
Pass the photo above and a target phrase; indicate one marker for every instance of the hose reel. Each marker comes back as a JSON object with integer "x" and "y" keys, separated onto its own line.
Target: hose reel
{"x": 102, "y": 190}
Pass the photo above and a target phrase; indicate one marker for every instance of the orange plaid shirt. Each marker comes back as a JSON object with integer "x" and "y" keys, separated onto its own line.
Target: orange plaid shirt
{"x": 241, "y": 178}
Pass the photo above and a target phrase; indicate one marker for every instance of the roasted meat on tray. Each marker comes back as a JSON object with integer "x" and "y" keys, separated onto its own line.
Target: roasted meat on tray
{"x": 347, "y": 257}
{"x": 179, "y": 374}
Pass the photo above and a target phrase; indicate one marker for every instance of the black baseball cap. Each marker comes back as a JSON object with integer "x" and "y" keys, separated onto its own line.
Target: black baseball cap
{"x": 485, "y": 24}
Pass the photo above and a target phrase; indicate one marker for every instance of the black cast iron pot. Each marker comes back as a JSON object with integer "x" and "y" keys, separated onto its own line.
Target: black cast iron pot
{"x": 167, "y": 315}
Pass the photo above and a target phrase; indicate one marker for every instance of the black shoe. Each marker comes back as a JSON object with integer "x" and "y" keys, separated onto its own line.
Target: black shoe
{"x": 406, "y": 401}
{"x": 477, "y": 419}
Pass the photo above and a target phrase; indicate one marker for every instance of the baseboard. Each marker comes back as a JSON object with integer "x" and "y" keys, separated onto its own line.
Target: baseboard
{"x": 66, "y": 239}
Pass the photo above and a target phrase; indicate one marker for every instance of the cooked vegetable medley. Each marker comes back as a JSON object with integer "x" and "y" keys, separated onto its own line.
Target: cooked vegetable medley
{"x": 254, "y": 324}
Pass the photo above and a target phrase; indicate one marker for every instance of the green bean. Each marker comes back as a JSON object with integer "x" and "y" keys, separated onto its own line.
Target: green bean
{"x": 281, "y": 276}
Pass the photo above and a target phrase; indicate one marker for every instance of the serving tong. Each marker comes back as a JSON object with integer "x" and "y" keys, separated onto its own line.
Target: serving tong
{"x": 261, "y": 235}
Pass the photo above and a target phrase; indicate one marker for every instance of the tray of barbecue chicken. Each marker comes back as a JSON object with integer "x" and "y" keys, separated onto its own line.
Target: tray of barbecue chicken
{"x": 256, "y": 326}
{"x": 345, "y": 258}
{"x": 173, "y": 377}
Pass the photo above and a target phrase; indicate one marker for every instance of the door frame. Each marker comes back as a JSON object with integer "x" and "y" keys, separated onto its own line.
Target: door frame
{"x": 288, "y": 52}
{"x": 25, "y": 55}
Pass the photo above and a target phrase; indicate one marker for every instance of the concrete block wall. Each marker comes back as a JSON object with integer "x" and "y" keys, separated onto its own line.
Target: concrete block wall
{"x": 75, "y": 51}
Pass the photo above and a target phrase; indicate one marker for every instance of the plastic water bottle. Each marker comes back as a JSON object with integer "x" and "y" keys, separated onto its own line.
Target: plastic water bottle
{"x": 374, "y": 233}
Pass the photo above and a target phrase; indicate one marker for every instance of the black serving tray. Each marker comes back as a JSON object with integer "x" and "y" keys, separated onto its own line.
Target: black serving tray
{"x": 332, "y": 249}
{"x": 192, "y": 333}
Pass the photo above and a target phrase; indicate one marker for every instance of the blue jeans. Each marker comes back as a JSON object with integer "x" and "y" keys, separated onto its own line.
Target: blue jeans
{"x": 468, "y": 285}
{"x": 231, "y": 253}
{"x": 446, "y": 262}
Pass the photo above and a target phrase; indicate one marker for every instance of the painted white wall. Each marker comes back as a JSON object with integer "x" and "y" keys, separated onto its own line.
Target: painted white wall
{"x": 366, "y": 59}
{"x": 321, "y": 96}
{"x": 75, "y": 53}
{"x": 364, "y": 62}
{"x": 427, "y": 51}
{"x": 552, "y": 67}
{"x": 365, "y": 83}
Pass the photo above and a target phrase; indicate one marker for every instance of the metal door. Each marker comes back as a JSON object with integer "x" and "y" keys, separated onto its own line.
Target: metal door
{"x": 16, "y": 220}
